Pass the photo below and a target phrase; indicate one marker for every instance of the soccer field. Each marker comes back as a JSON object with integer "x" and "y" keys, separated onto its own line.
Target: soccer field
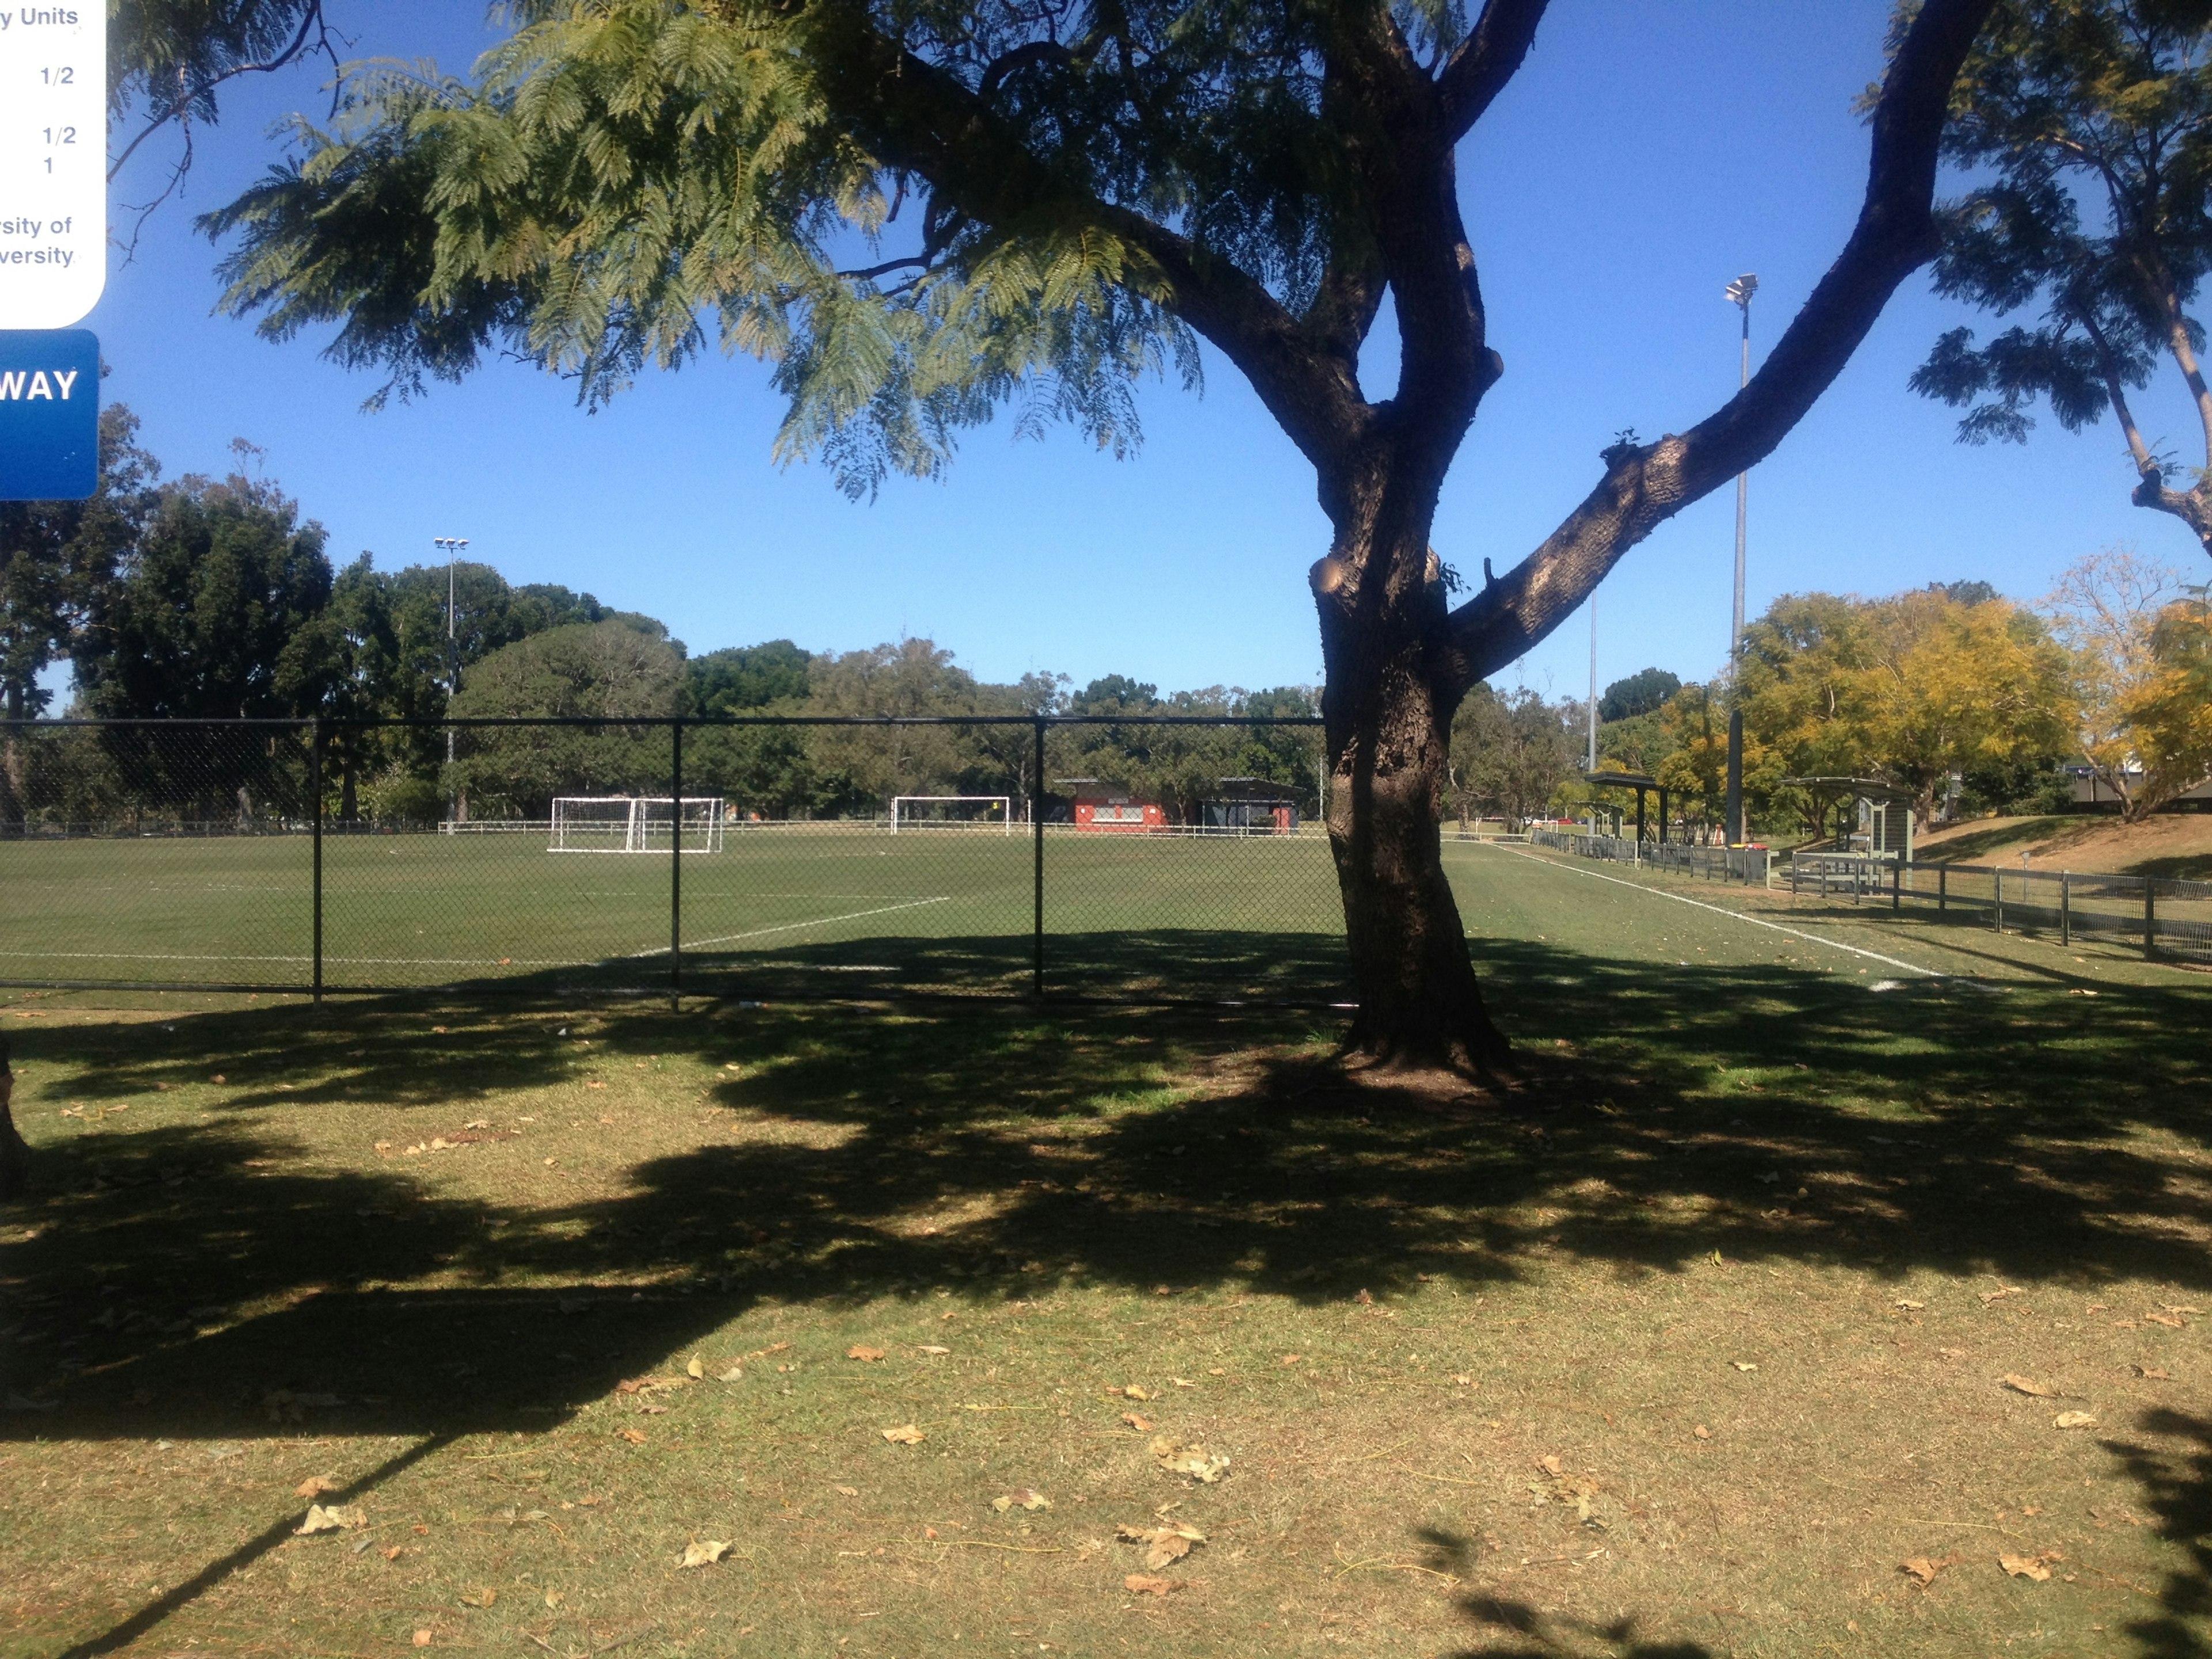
{"x": 784, "y": 910}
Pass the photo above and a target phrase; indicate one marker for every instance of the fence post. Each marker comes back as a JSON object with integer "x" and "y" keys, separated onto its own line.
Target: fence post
{"x": 2065, "y": 907}
{"x": 1897, "y": 885}
{"x": 1996, "y": 880}
{"x": 2150, "y": 919}
{"x": 1942, "y": 888}
{"x": 315, "y": 785}
{"x": 676, "y": 859}
{"x": 1036, "y": 833}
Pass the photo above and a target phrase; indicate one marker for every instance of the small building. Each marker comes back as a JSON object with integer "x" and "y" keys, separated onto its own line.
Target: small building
{"x": 1099, "y": 806}
{"x": 1254, "y": 806}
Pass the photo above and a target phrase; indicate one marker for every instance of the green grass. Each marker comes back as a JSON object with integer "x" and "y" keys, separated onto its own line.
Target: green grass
{"x": 237, "y": 1272}
{"x": 780, "y": 911}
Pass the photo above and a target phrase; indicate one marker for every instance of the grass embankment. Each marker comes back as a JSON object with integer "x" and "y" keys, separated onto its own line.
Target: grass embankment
{"x": 1683, "y": 1349}
{"x": 2174, "y": 845}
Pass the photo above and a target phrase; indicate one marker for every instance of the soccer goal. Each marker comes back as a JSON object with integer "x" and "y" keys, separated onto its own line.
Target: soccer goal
{"x": 952, "y": 812}
{"x": 636, "y": 823}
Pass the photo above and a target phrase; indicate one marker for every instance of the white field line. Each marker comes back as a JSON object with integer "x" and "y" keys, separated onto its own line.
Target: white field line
{"x": 1734, "y": 915}
{"x": 793, "y": 927}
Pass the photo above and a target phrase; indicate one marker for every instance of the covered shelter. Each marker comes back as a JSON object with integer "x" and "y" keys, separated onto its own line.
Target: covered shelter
{"x": 1252, "y": 805}
{"x": 1641, "y": 783}
{"x": 1882, "y": 812}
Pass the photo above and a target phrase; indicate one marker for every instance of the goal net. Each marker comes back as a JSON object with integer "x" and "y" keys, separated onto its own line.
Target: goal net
{"x": 952, "y": 812}
{"x": 636, "y": 823}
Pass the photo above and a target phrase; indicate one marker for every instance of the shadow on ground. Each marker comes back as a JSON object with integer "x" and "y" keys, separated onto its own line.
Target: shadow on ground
{"x": 1763, "y": 1111}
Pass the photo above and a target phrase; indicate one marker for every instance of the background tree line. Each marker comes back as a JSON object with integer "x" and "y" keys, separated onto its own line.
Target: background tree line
{"x": 1971, "y": 702}
{"x": 204, "y": 599}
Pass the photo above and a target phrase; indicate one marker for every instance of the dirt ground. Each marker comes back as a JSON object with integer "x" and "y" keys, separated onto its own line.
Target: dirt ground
{"x": 2176, "y": 845}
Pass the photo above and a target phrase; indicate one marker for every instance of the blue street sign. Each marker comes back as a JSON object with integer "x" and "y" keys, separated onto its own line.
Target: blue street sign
{"x": 49, "y": 413}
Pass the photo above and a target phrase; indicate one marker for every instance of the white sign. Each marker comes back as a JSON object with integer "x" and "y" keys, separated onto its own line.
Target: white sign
{"x": 53, "y": 161}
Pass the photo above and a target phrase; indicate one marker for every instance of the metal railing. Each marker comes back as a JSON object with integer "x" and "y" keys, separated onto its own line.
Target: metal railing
{"x": 2160, "y": 916}
{"x": 1748, "y": 865}
{"x": 356, "y": 856}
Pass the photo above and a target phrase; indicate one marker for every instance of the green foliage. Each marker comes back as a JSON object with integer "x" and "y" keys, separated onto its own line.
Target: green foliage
{"x": 745, "y": 678}
{"x": 1640, "y": 693}
{"x": 579, "y": 670}
{"x": 217, "y": 611}
{"x": 2069, "y": 109}
{"x": 1510, "y": 753}
{"x": 621, "y": 169}
{"x": 57, "y": 556}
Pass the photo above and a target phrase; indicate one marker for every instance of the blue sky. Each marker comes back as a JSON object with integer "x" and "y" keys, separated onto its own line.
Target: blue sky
{"x": 1645, "y": 155}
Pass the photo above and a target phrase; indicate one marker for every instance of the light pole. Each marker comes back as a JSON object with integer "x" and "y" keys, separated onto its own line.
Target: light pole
{"x": 1739, "y": 291}
{"x": 1592, "y": 708}
{"x": 452, "y": 546}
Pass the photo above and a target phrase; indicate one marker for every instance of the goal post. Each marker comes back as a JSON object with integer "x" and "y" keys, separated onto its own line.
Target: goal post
{"x": 636, "y": 823}
{"x": 952, "y": 812}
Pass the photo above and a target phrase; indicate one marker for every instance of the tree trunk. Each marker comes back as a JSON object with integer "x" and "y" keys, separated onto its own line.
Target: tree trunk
{"x": 14, "y": 812}
{"x": 14, "y": 1156}
{"x": 1393, "y": 686}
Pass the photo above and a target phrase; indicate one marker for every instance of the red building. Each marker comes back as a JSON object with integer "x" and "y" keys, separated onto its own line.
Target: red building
{"x": 1121, "y": 813}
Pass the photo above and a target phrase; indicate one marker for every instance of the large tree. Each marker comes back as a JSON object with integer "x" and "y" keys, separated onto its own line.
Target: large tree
{"x": 922, "y": 212}
{"x": 2091, "y": 123}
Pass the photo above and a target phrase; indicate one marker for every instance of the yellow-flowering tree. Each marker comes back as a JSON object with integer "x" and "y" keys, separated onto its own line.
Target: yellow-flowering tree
{"x": 2170, "y": 715}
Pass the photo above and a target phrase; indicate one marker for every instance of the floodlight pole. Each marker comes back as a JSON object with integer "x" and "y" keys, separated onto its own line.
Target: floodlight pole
{"x": 1739, "y": 291}
{"x": 452, "y": 546}
{"x": 1592, "y": 708}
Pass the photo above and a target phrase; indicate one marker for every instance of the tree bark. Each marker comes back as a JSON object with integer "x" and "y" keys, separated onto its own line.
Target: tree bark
{"x": 1394, "y": 684}
{"x": 14, "y": 1156}
{"x": 13, "y": 811}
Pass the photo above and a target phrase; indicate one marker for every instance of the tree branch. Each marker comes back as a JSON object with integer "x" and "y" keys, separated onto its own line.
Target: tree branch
{"x": 1646, "y": 485}
{"x": 919, "y": 119}
{"x": 1488, "y": 59}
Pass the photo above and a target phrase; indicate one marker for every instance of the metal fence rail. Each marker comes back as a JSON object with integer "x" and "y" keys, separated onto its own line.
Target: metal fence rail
{"x": 1739, "y": 864}
{"x": 2161, "y": 917}
{"x": 756, "y": 861}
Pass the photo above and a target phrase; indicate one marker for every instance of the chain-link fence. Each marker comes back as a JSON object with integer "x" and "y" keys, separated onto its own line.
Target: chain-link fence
{"x": 1138, "y": 858}
{"x": 2160, "y": 916}
{"x": 1738, "y": 864}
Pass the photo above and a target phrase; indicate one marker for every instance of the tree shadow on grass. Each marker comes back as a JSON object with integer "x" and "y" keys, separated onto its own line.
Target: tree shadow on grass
{"x": 1762, "y": 1111}
{"x": 2176, "y": 1477}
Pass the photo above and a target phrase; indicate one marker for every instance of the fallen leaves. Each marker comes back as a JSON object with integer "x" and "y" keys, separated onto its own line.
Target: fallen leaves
{"x": 635, "y": 1437}
{"x": 847, "y": 1491}
{"x": 1744, "y": 1364}
{"x": 2036, "y": 1567}
{"x": 337, "y": 1517}
{"x": 2000, "y": 1293}
{"x": 861, "y": 1352}
{"x": 1191, "y": 1459}
{"x": 2153, "y": 1372}
{"x": 1141, "y": 1425}
{"x": 316, "y": 1484}
{"x": 2026, "y": 1385}
{"x": 2074, "y": 1420}
{"x": 1163, "y": 1545}
{"x": 931, "y": 1348}
{"x": 2172, "y": 1322}
{"x": 1923, "y": 1570}
{"x": 904, "y": 1435}
{"x": 697, "y": 1370}
{"x": 1022, "y": 1498}
{"x": 1138, "y": 1583}
{"x": 1133, "y": 1391}
{"x": 697, "y": 1554}
{"x": 734, "y": 1373}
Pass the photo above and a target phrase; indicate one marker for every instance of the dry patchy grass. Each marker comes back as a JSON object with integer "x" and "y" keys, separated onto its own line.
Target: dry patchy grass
{"x": 1682, "y": 1350}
